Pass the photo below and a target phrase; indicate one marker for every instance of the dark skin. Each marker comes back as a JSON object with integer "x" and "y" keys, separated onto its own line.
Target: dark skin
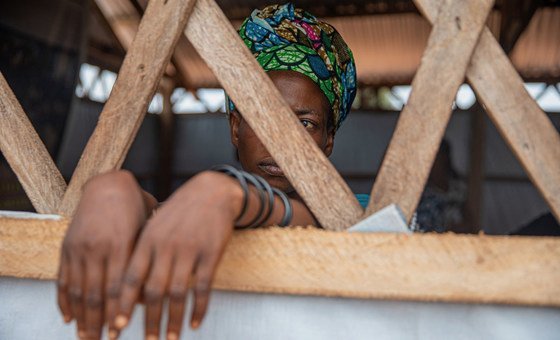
{"x": 117, "y": 250}
{"x": 312, "y": 108}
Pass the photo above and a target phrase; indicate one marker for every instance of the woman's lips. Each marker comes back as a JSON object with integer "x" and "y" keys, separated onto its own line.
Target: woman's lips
{"x": 272, "y": 169}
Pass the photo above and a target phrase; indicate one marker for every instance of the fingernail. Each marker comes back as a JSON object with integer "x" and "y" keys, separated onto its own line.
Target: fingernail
{"x": 195, "y": 324}
{"x": 67, "y": 318}
{"x": 121, "y": 321}
{"x": 172, "y": 336}
{"x": 113, "y": 334}
{"x": 151, "y": 337}
{"x": 81, "y": 334}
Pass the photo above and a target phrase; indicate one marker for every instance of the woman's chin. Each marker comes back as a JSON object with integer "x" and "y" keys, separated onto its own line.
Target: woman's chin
{"x": 281, "y": 183}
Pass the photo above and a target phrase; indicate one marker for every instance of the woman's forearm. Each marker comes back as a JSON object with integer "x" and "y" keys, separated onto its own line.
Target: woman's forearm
{"x": 229, "y": 194}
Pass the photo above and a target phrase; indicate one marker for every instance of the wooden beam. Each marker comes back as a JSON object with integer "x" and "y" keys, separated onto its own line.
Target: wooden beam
{"x": 418, "y": 267}
{"x": 515, "y": 17}
{"x": 524, "y": 126}
{"x": 138, "y": 78}
{"x": 182, "y": 57}
{"x": 27, "y": 155}
{"x": 422, "y": 123}
{"x": 272, "y": 120}
{"x": 166, "y": 138}
{"x": 472, "y": 210}
{"x": 326, "y": 9}
{"x": 124, "y": 19}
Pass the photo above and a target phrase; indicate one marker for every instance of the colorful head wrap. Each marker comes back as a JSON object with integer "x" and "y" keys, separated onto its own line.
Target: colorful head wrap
{"x": 282, "y": 37}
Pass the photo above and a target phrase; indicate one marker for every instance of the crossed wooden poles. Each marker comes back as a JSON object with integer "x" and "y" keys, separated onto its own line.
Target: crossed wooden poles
{"x": 460, "y": 45}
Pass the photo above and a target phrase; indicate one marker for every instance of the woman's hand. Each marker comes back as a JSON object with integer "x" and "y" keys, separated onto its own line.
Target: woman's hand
{"x": 96, "y": 249}
{"x": 182, "y": 243}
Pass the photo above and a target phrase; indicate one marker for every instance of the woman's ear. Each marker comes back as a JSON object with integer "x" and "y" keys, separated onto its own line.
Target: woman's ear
{"x": 234, "y": 120}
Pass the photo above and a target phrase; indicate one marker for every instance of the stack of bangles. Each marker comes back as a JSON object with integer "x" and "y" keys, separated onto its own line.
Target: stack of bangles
{"x": 266, "y": 194}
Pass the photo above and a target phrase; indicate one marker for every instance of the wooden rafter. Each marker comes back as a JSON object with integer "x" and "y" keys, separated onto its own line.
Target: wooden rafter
{"x": 124, "y": 19}
{"x": 180, "y": 56}
{"x": 516, "y": 15}
{"x": 27, "y": 155}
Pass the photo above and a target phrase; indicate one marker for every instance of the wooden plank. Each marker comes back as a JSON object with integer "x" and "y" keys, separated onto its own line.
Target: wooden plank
{"x": 418, "y": 267}
{"x": 411, "y": 153}
{"x": 183, "y": 58}
{"x": 138, "y": 78}
{"x": 27, "y": 155}
{"x": 260, "y": 103}
{"x": 524, "y": 126}
{"x": 124, "y": 20}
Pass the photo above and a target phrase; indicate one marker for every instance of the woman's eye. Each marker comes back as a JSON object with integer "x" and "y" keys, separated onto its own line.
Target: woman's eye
{"x": 307, "y": 124}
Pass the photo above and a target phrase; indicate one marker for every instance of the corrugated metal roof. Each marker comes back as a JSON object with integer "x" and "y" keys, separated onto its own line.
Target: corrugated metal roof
{"x": 388, "y": 48}
{"x": 537, "y": 52}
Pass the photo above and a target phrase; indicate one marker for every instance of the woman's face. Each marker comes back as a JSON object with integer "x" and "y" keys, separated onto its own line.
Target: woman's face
{"x": 311, "y": 106}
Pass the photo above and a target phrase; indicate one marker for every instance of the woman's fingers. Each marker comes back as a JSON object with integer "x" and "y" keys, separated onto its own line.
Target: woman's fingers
{"x": 132, "y": 283}
{"x": 115, "y": 271}
{"x": 178, "y": 288}
{"x": 93, "y": 298}
{"x": 154, "y": 291}
{"x": 62, "y": 288}
{"x": 75, "y": 291}
{"x": 203, "y": 281}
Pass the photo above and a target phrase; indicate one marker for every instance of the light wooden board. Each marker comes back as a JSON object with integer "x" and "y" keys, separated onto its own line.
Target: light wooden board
{"x": 419, "y": 267}
{"x": 27, "y": 155}
{"x": 524, "y": 126}
{"x": 421, "y": 125}
{"x": 260, "y": 103}
{"x": 143, "y": 66}
{"x": 124, "y": 21}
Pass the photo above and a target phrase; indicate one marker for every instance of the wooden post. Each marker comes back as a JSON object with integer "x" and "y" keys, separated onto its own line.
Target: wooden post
{"x": 166, "y": 137}
{"x": 27, "y": 155}
{"x": 422, "y": 123}
{"x": 124, "y": 20}
{"x": 274, "y": 123}
{"x": 475, "y": 182}
{"x": 123, "y": 113}
{"x": 524, "y": 126}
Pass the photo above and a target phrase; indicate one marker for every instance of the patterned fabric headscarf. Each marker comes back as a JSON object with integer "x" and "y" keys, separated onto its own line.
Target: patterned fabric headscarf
{"x": 282, "y": 37}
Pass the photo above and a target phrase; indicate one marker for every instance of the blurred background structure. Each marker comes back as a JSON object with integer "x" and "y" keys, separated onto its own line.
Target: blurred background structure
{"x": 62, "y": 57}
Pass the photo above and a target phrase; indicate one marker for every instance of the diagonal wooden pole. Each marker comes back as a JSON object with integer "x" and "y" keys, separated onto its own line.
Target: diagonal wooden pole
{"x": 27, "y": 155}
{"x": 149, "y": 53}
{"x": 524, "y": 126}
{"x": 274, "y": 123}
{"x": 124, "y": 20}
{"x": 422, "y": 123}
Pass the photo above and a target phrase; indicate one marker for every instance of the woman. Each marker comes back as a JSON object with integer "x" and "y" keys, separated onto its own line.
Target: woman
{"x": 118, "y": 249}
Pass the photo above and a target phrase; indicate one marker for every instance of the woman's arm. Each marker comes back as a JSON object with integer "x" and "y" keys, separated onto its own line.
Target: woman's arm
{"x": 183, "y": 239}
{"x": 183, "y": 242}
{"x": 96, "y": 249}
